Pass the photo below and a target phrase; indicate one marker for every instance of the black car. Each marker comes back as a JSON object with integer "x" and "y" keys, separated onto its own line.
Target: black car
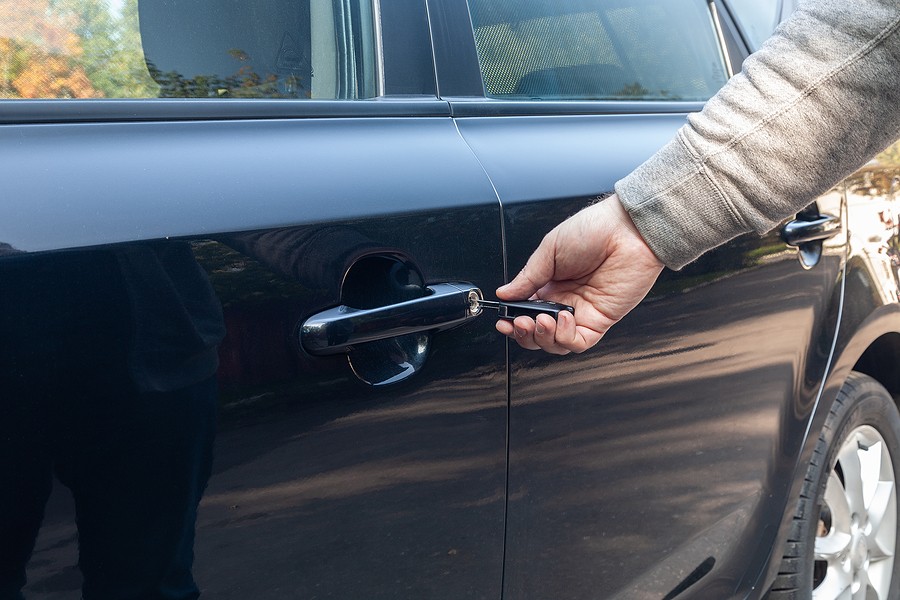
{"x": 247, "y": 241}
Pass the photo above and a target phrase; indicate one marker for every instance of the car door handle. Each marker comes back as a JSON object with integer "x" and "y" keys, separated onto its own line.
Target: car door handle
{"x": 818, "y": 228}
{"x": 338, "y": 329}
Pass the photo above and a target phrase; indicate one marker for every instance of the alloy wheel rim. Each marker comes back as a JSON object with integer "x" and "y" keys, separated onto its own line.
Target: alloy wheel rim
{"x": 856, "y": 541}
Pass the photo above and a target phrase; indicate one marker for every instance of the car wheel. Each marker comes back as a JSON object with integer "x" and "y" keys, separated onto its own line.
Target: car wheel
{"x": 843, "y": 538}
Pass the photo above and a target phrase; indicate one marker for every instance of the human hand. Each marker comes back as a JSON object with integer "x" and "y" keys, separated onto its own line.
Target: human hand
{"x": 595, "y": 261}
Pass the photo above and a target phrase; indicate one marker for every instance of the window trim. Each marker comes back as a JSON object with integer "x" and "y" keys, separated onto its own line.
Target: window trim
{"x": 720, "y": 36}
{"x": 739, "y": 48}
{"x": 202, "y": 109}
{"x": 379, "y": 48}
{"x": 499, "y": 107}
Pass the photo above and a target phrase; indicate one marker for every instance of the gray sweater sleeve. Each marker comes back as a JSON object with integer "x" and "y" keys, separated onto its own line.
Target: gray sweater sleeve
{"x": 820, "y": 98}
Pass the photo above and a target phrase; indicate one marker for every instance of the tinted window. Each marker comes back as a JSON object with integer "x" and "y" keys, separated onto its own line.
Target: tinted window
{"x": 598, "y": 49}
{"x": 196, "y": 49}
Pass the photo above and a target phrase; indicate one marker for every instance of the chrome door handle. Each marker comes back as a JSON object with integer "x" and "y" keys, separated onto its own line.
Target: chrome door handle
{"x": 803, "y": 231}
{"x": 338, "y": 329}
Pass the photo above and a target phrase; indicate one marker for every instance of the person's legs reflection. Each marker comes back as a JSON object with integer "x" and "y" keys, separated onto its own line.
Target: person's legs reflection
{"x": 136, "y": 461}
{"x": 30, "y": 356}
{"x": 137, "y": 466}
{"x": 25, "y": 481}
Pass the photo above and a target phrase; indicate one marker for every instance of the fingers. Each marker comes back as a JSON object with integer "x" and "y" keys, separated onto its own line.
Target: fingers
{"x": 522, "y": 330}
{"x": 554, "y": 337}
{"x": 566, "y": 334}
{"x": 524, "y": 285}
{"x": 545, "y": 332}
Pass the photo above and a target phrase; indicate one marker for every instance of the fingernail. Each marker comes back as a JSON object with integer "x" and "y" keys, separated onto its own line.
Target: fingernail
{"x": 520, "y": 332}
{"x": 539, "y": 328}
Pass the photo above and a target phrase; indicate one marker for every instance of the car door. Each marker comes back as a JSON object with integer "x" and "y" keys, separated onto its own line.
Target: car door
{"x": 286, "y": 198}
{"x": 660, "y": 463}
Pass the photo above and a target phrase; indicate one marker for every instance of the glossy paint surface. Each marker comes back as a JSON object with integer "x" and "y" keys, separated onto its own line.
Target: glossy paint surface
{"x": 208, "y": 177}
{"x": 870, "y": 321}
{"x": 322, "y": 485}
{"x": 668, "y": 444}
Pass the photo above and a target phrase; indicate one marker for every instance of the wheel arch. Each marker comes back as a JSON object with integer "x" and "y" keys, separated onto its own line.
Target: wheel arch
{"x": 872, "y": 347}
{"x": 881, "y": 360}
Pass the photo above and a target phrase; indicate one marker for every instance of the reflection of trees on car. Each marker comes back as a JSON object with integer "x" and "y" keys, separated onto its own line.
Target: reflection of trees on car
{"x": 877, "y": 178}
{"x": 244, "y": 83}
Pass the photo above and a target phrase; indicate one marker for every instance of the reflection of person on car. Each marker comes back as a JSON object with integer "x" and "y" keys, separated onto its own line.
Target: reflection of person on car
{"x": 818, "y": 100}
{"x": 107, "y": 379}
{"x": 110, "y": 385}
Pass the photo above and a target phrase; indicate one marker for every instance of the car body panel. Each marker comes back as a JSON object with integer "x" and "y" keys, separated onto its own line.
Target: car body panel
{"x": 646, "y": 459}
{"x": 205, "y": 177}
{"x": 278, "y": 213}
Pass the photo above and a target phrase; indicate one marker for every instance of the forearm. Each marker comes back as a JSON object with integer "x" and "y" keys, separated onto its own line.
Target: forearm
{"x": 818, "y": 100}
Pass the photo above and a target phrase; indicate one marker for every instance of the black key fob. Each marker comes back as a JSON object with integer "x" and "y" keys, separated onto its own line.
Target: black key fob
{"x": 527, "y": 308}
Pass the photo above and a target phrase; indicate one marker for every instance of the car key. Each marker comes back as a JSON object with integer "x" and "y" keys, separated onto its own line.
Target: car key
{"x": 526, "y": 308}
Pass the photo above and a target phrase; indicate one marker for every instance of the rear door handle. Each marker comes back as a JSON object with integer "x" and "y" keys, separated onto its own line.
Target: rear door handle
{"x": 813, "y": 229}
{"x": 338, "y": 329}
{"x": 808, "y": 232}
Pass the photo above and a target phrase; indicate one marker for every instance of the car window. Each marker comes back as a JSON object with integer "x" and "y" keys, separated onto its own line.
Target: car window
{"x": 597, "y": 49}
{"x": 318, "y": 49}
{"x": 757, "y": 18}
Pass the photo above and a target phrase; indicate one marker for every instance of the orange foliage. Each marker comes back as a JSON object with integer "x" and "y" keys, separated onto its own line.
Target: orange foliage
{"x": 54, "y": 77}
{"x": 32, "y": 22}
{"x": 59, "y": 40}
{"x": 46, "y": 49}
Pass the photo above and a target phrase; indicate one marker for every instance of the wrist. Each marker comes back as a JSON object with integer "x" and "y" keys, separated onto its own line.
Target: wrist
{"x": 629, "y": 236}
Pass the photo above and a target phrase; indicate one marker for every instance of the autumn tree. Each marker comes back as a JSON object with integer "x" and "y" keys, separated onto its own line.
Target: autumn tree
{"x": 88, "y": 49}
{"x": 39, "y": 53}
{"x": 71, "y": 49}
{"x": 111, "y": 56}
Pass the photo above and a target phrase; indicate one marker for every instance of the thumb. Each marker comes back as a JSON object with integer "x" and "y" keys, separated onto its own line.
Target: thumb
{"x": 537, "y": 273}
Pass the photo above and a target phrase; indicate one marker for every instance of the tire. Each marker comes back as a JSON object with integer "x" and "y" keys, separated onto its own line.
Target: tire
{"x": 843, "y": 538}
